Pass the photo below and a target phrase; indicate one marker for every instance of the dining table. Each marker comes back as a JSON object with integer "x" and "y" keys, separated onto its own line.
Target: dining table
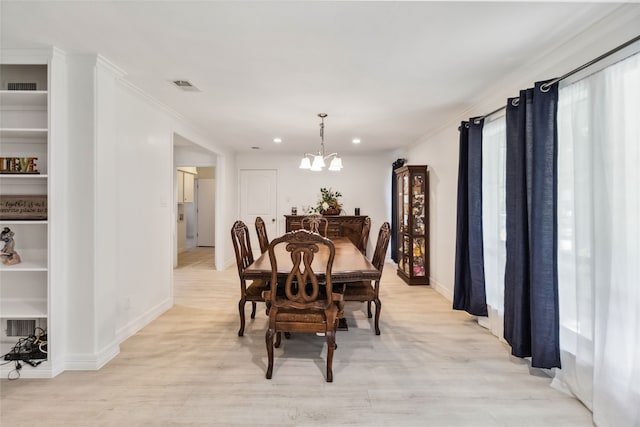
{"x": 349, "y": 265}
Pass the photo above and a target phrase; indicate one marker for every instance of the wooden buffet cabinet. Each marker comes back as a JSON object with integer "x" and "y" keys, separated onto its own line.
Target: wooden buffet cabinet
{"x": 339, "y": 226}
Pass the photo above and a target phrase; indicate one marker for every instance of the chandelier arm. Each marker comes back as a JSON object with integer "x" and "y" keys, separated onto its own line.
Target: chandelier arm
{"x": 316, "y": 162}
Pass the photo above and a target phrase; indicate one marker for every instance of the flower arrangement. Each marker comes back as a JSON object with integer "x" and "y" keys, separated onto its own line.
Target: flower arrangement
{"x": 329, "y": 202}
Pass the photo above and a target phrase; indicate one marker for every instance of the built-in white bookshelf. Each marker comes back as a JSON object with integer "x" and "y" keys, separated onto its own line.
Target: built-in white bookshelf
{"x": 24, "y": 133}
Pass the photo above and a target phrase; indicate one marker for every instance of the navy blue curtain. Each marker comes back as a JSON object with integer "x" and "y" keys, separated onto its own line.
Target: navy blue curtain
{"x": 531, "y": 323}
{"x": 469, "y": 290}
{"x": 394, "y": 209}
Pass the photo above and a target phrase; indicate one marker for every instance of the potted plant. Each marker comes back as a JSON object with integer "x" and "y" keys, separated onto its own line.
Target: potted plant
{"x": 329, "y": 202}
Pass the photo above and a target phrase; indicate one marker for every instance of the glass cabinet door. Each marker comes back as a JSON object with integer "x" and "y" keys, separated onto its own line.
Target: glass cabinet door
{"x": 412, "y": 224}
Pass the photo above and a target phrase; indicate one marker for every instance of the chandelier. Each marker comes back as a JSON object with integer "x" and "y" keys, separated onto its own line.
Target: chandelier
{"x": 316, "y": 162}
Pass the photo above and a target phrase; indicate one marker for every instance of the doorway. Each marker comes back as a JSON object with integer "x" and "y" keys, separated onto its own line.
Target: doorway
{"x": 194, "y": 189}
{"x": 196, "y": 215}
{"x": 205, "y": 214}
{"x": 258, "y": 195}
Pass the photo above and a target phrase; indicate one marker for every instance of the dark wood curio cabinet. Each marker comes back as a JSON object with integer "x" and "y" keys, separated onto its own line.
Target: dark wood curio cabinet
{"x": 413, "y": 224}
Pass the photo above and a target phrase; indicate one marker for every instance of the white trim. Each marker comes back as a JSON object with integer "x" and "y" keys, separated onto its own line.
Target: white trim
{"x": 89, "y": 361}
{"x": 107, "y": 65}
{"x": 445, "y": 291}
{"x": 27, "y": 56}
{"x": 143, "y": 320}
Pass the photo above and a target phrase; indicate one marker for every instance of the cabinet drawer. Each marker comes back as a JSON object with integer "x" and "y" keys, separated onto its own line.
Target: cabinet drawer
{"x": 334, "y": 230}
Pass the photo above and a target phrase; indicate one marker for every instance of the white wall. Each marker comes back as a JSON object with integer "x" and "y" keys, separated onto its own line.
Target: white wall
{"x": 441, "y": 155}
{"x": 365, "y": 182}
{"x": 80, "y": 351}
{"x": 120, "y": 202}
{"x": 146, "y": 205}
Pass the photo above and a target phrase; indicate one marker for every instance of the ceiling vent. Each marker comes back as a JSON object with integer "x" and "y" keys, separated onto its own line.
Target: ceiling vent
{"x": 186, "y": 85}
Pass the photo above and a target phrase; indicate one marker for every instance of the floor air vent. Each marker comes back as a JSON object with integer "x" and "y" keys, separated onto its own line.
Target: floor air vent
{"x": 20, "y": 328}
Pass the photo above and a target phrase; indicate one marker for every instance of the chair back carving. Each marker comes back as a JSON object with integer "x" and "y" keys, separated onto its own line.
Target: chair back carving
{"x": 261, "y": 230}
{"x": 381, "y": 246}
{"x": 302, "y": 288}
{"x": 303, "y": 303}
{"x": 316, "y": 224}
{"x": 241, "y": 245}
{"x": 364, "y": 240}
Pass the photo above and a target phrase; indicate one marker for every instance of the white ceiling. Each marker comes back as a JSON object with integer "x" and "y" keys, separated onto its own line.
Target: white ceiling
{"x": 386, "y": 72}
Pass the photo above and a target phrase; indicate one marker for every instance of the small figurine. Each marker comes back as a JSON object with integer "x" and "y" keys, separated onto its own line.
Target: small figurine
{"x": 9, "y": 255}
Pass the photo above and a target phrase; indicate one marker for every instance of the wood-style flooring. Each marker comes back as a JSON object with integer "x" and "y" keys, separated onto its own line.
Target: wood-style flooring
{"x": 431, "y": 366}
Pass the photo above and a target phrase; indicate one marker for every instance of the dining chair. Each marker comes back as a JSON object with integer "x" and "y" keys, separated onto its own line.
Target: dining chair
{"x": 244, "y": 258}
{"x": 302, "y": 303}
{"x": 261, "y": 230}
{"x": 316, "y": 224}
{"x": 368, "y": 290}
{"x": 364, "y": 239}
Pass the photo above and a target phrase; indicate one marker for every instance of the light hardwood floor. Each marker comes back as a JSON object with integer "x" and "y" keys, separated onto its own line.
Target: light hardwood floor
{"x": 431, "y": 366}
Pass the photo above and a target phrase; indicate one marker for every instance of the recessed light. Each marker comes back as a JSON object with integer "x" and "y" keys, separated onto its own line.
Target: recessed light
{"x": 277, "y": 140}
{"x": 356, "y": 141}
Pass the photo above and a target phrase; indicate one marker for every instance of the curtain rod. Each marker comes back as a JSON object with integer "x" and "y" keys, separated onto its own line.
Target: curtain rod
{"x": 569, "y": 74}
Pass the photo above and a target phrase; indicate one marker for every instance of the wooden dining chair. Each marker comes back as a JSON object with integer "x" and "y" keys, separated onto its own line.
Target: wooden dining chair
{"x": 370, "y": 290}
{"x": 364, "y": 239}
{"x": 302, "y": 303}
{"x": 316, "y": 224}
{"x": 244, "y": 258}
{"x": 261, "y": 230}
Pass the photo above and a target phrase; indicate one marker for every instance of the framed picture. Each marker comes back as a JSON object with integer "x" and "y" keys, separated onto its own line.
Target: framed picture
{"x": 23, "y": 207}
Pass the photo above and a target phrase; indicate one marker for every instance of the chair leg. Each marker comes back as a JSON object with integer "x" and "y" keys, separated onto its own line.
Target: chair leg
{"x": 269, "y": 342}
{"x": 369, "y": 309}
{"x": 378, "y": 308}
{"x": 241, "y": 310}
{"x": 278, "y": 339}
{"x": 331, "y": 345}
{"x": 253, "y": 309}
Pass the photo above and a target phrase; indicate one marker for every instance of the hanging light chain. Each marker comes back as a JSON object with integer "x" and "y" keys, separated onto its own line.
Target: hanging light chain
{"x": 322, "y": 116}
{"x": 318, "y": 160}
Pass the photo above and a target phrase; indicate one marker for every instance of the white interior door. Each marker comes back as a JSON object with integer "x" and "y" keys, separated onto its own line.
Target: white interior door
{"x": 258, "y": 195}
{"x": 206, "y": 212}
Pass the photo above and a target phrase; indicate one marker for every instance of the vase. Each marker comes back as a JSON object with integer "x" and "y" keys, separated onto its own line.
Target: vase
{"x": 330, "y": 212}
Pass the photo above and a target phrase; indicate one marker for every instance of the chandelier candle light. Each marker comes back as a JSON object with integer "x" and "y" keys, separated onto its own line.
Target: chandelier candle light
{"x": 316, "y": 162}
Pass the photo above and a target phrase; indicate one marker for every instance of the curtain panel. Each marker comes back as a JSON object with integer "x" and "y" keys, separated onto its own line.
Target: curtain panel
{"x": 394, "y": 209}
{"x": 469, "y": 290}
{"x": 494, "y": 221}
{"x": 531, "y": 277}
{"x": 599, "y": 242}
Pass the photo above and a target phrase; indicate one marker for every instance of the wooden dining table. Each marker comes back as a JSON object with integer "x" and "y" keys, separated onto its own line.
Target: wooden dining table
{"x": 349, "y": 265}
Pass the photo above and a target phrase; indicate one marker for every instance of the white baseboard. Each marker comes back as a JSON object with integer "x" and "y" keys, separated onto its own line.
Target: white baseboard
{"x": 91, "y": 361}
{"x": 95, "y": 361}
{"x": 441, "y": 289}
{"x": 143, "y": 320}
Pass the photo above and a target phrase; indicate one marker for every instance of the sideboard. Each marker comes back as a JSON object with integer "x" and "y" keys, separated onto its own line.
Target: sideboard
{"x": 339, "y": 226}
